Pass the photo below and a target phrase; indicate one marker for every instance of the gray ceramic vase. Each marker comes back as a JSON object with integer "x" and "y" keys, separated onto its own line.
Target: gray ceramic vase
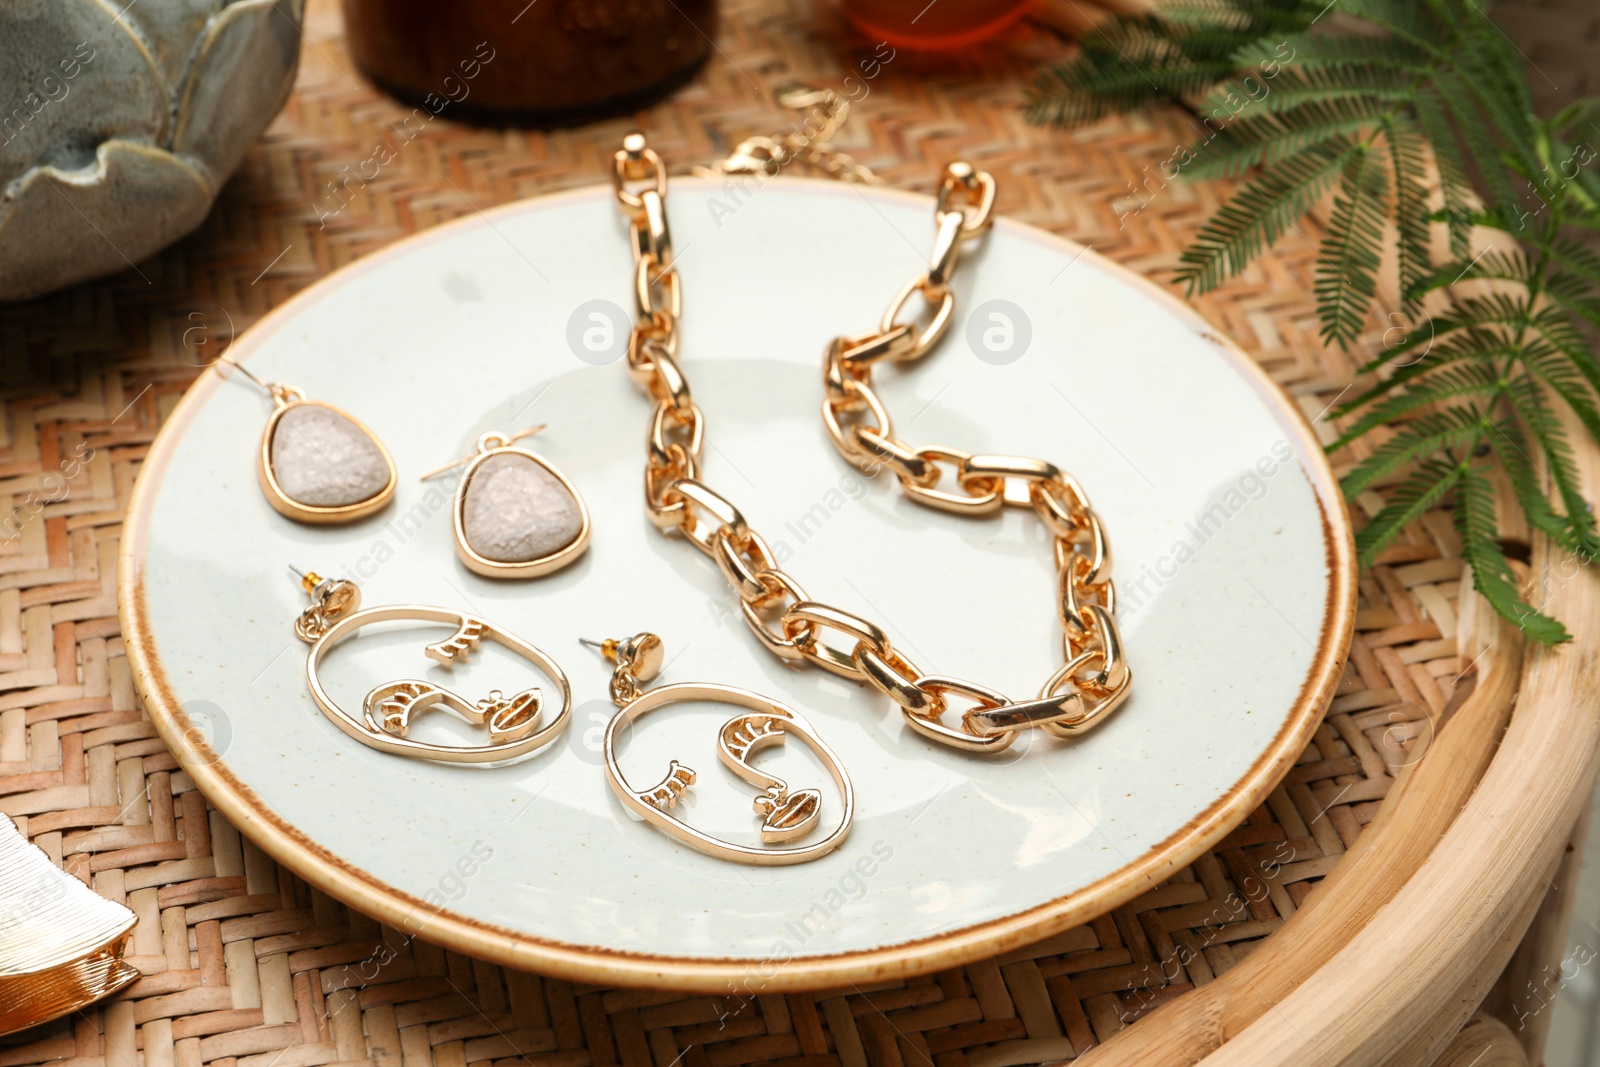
{"x": 120, "y": 121}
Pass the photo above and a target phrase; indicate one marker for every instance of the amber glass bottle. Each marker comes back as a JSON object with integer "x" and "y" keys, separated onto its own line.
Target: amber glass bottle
{"x": 540, "y": 63}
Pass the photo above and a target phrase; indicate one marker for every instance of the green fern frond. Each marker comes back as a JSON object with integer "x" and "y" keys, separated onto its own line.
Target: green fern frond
{"x": 1269, "y": 138}
{"x": 1559, "y": 462}
{"x": 1454, "y": 188}
{"x": 1575, "y": 117}
{"x": 1567, "y": 380}
{"x": 1130, "y": 61}
{"x": 1563, "y": 362}
{"x": 1444, "y": 384}
{"x": 1461, "y": 348}
{"x": 1295, "y": 88}
{"x": 1259, "y": 213}
{"x": 1420, "y": 492}
{"x": 1418, "y": 117}
{"x": 1352, "y": 251}
{"x": 1480, "y": 326}
{"x": 1554, "y": 328}
{"x": 1500, "y": 309}
{"x": 1099, "y": 85}
{"x": 1321, "y": 51}
{"x": 1578, "y": 258}
{"x": 1408, "y": 163}
{"x": 1574, "y": 294}
{"x": 1476, "y": 522}
{"x": 1492, "y": 265}
{"x": 1514, "y": 455}
{"x": 1406, "y": 20}
{"x": 1423, "y": 436}
{"x": 1481, "y": 148}
{"x": 1493, "y": 73}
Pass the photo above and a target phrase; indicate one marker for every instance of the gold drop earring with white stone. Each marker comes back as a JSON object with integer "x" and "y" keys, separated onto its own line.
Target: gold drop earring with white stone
{"x": 317, "y": 462}
{"x": 516, "y": 515}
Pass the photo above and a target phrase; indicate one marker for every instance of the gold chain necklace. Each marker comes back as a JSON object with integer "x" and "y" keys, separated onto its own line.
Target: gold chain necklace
{"x": 1095, "y": 677}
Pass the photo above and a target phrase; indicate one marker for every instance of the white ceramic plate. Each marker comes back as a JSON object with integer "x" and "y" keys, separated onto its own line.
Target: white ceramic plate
{"x": 1233, "y": 564}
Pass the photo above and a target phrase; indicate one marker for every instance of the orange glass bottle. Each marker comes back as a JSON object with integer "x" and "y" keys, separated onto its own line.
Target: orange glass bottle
{"x": 939, "y": 25}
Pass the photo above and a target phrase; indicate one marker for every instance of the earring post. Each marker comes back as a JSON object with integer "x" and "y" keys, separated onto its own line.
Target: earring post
{"x": 309, "y": 580}
{"x": 607, "y": 648}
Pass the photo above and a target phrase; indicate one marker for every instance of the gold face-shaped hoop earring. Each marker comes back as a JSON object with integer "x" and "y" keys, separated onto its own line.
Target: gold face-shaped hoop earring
{"x": 516, "y": 515}
{"x": 318, "y": 463}
{"x": 516, "y": 724}
{"x": 787, "y": 815}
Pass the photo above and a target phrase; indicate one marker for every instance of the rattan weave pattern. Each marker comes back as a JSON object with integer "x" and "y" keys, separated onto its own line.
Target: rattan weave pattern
{"x": 245, "y": 966}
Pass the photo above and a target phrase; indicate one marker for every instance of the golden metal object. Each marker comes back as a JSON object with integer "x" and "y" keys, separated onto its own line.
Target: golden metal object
{"x": 939, "y": 297}
{"x": 287, "y": 398}
{"x": 61, "y": 943}
{"x": 638, "y": 659}
{"x": 975, "y": 190}
{"x": 787, "y": 622}
{"x": 515, "y": 723}
{"x": 786, "y": 814}
{"x": 803, "y": 144}
{"x": 976, "y": 499}
{"x": 966, "y": 738}
{"x": 494, "y": 444}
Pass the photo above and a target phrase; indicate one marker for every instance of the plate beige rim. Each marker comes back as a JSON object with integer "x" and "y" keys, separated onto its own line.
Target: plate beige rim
{"x": 367, "y": 894}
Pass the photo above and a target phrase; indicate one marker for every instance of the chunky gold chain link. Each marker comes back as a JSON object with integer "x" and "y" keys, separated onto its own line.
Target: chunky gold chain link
{"x": 1095, "y": 676}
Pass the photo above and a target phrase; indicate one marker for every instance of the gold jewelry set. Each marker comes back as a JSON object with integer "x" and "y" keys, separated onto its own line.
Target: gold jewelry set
{"x": 309, "y": 446}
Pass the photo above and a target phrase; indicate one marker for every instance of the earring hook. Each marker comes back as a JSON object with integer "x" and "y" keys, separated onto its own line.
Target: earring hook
{"x": 281, "y": 395}
{"x": 265, "y": 387}
{"x": 487, "y": 443}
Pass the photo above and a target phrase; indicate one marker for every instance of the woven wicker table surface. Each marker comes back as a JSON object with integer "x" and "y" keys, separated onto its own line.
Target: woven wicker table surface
{"x": 244, "y": 964}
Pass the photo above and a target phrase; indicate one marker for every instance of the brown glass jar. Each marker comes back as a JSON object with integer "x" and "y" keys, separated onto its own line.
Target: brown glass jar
{"x": 540, "y": 63}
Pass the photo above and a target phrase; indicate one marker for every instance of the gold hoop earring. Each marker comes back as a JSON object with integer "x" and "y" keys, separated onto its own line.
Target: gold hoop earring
{"x": 515, "y": 724}
{"x": 786, "y": 815}
{"x": 318, "y": 463}
{"x": 516, "y": 515}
